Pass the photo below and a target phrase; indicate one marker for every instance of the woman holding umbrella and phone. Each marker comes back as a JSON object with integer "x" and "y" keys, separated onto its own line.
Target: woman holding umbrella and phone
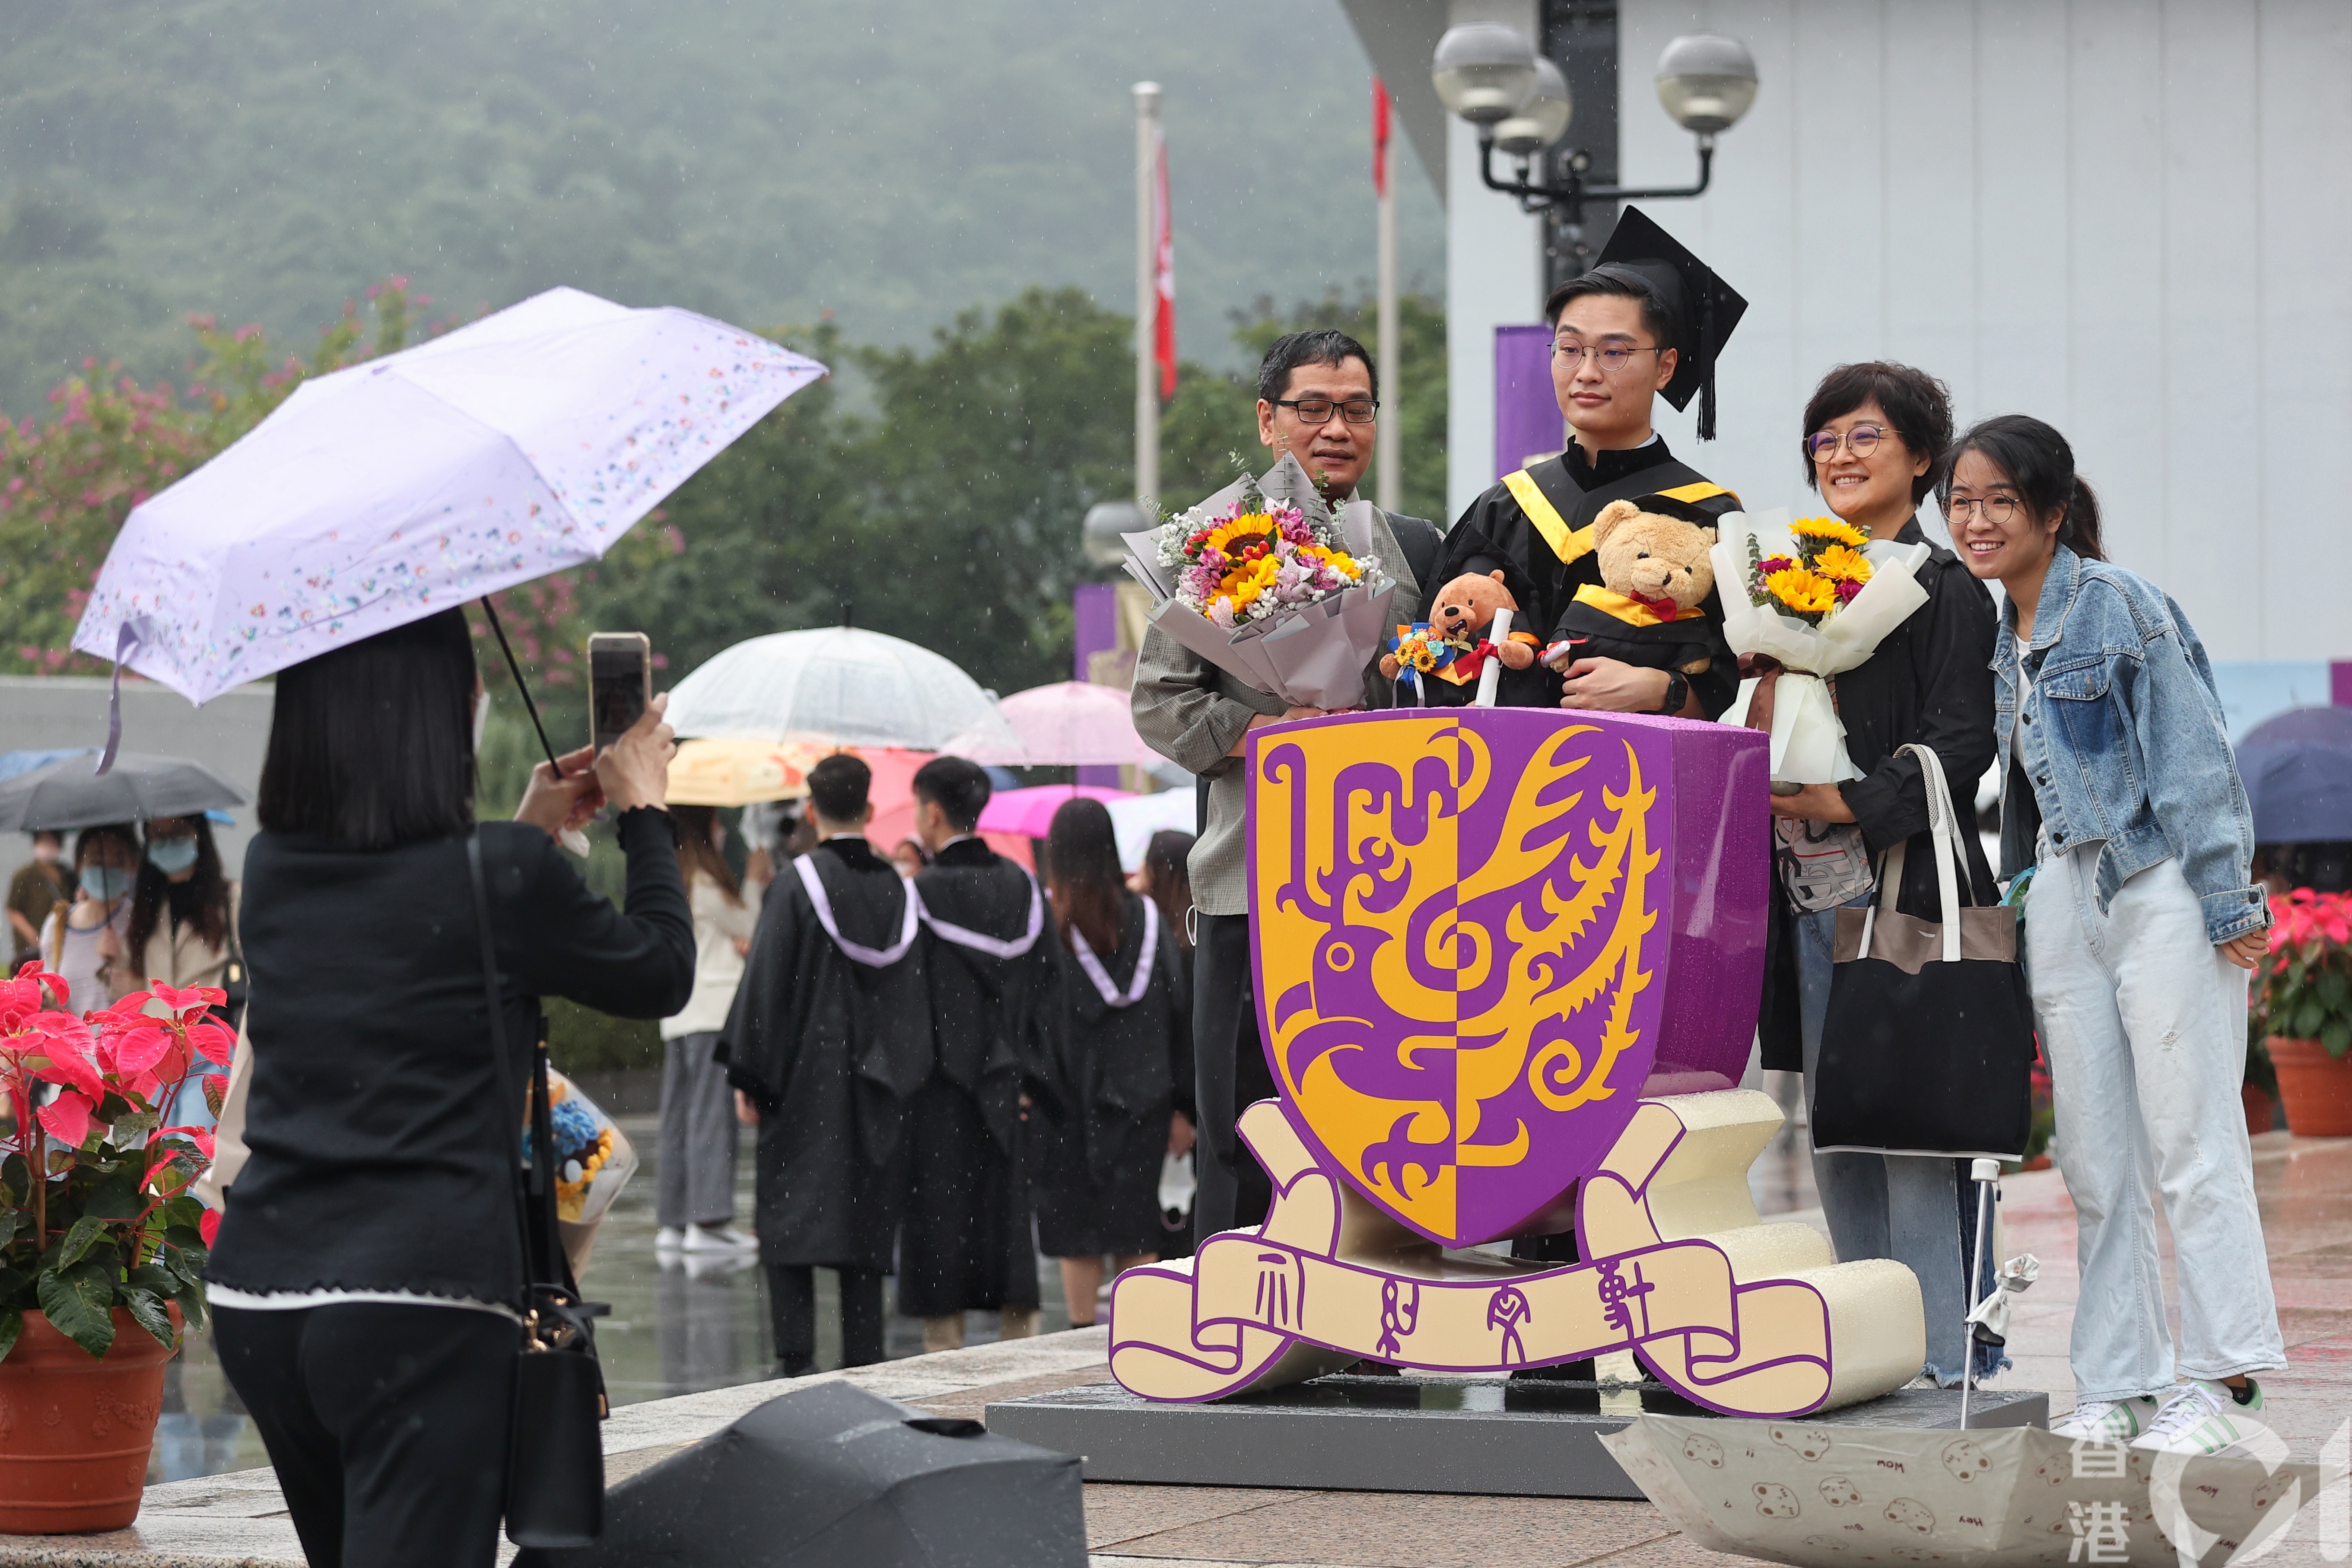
{"x": 368, "y": 1276}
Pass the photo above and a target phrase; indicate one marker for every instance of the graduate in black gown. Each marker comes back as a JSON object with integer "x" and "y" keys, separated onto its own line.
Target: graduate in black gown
{"x": 828, "y": 1039}
{"x": 966, "y": 1242}
{"x": 1122, "y": 1069}
{"x": 1648, "y": 319}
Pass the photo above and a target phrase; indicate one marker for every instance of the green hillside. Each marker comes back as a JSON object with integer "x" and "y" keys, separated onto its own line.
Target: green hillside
{"x": 889, "y": 163}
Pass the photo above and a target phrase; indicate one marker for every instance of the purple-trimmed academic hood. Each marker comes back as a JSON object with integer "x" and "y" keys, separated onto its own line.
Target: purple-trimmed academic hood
{"x": 1482, "y": 936}
{"x": 1528, "y": 422}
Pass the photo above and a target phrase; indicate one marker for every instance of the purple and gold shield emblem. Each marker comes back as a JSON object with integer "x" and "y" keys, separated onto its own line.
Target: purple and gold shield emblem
{"x": 1483, "y": 935}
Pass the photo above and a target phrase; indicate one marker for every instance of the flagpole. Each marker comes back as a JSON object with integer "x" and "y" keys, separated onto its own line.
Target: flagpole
{"x": 1387, "y": 454}
{"x": 1146, "y": 296}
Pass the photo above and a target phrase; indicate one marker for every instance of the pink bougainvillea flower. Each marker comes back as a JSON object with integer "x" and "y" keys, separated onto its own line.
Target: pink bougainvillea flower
{"x": 208, "y": 1225}
{"x": 67, "y": 1117}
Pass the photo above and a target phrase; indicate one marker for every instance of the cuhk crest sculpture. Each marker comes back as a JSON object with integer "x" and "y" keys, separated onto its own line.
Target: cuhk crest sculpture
{"x": 1506, "y": 965}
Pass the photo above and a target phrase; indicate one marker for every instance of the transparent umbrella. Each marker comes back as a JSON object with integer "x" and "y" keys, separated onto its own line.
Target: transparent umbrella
{"x": 856, "y": 686}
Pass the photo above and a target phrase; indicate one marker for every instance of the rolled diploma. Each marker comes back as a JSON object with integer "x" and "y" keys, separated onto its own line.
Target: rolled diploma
{"x": 1492, "y": 675}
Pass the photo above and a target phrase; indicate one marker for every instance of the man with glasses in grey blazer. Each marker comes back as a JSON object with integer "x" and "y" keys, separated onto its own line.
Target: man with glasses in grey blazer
{"x": 1319, "y": 401}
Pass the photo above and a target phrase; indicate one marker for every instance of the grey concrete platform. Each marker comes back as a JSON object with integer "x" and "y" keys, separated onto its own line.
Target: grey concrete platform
{"x": 1487, "y": 1438}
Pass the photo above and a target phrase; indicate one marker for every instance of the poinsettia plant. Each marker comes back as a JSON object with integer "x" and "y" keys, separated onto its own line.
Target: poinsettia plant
{"x": 95, "y": 1211}
{"x": 2306, "y": 991}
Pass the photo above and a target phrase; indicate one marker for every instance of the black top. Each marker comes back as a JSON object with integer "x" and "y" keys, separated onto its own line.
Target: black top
{"x": 1929, "y": 682}
{"x": 1495, "y": 531}
{"x": 991, "y": 1016}
{"x": 383, "y": 1153}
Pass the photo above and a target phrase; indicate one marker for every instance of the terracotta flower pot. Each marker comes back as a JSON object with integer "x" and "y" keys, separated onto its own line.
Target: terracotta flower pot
{"x": 2316, "y": 1087}
{"x": 75, "y": 1432}
{"x": 2258, "y": 1108}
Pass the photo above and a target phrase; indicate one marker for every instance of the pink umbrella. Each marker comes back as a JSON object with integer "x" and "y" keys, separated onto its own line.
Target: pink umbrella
{"x": 1030, "y": 812}
{"x": 1068, "y": 723}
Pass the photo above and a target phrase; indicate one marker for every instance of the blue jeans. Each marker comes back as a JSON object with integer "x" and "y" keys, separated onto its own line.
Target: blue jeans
{"x": 1918, "y": 1210}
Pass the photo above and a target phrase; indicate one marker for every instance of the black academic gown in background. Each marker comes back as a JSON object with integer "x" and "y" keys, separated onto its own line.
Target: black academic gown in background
{"x": 965, "y": 1242}
{"x": 1117, "y": 1076}
{"x": 830, "y": 1050}
{"x": 1536, "y": 526}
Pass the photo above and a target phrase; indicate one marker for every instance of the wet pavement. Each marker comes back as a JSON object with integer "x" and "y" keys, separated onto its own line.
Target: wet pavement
{"x": 680, "y": 1324}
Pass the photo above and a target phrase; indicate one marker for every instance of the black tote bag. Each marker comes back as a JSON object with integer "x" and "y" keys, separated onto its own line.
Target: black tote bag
{"x": 1928, "y": 1044}
{"x": 555, "y": 1455}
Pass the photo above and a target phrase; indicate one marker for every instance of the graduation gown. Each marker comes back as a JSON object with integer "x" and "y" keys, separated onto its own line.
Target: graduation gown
{"x": 989, "y": 965}
{"x": 1117, "y": 1063}
{"x": 1604, "y": 624}
{"x": 1536, "y": 526}
{"x": 830, "y": 1049}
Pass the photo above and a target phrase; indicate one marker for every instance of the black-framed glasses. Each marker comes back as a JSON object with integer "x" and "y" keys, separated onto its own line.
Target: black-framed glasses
{"x": 1318, "y": 410}
{"x": 1613, "y": 357}
{"x": 1862, "y": 441}
{"x": 1997, "y": 510}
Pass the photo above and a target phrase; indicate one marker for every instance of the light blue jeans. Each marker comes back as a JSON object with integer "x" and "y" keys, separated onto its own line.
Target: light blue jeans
{"x": 2144, "y": 1023}
{"x": 1918, "y": 1210}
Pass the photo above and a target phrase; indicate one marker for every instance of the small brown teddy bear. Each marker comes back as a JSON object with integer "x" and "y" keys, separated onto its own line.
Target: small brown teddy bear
{"x": 1460, "y": 617}
{"x": 1654, "y": 560}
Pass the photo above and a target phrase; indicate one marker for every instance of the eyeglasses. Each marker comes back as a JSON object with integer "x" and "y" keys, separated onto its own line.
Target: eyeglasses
{"x": 1318, "y": 410}
{"x": 1862, "y": 441}
{"x": 1997, "y": 510}
{"x": 1613, "y": 357}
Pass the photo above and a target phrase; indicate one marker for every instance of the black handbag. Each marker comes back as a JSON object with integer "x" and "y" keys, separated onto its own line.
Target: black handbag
{"x": 555, "y": 1453}
{"x": 1928, "y": 1044}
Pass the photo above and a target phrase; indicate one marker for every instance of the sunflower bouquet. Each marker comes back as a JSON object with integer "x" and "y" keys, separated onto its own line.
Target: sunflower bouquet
{"x": 1821, "y": 595}
{"x": 1267, "y": 581}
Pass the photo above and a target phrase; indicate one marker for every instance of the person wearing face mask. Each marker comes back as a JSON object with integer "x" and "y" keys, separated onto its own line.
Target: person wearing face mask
{"x": 39, "y": 886}
{"x": 1873, "y": 434}
{"x": 84, "y": 942}
{"x": 182, "y": 910}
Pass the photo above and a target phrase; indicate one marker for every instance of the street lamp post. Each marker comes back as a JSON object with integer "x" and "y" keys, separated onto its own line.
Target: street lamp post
{"x": 1491, "y": 76}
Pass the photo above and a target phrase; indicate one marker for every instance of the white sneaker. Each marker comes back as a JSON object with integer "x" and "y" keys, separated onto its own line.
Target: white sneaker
{"x": 2106, "y": 1420}
{"x": 669, "y": 1238}
{"x": 716, "y": 1239}
{"x": 2205, "y": 1418}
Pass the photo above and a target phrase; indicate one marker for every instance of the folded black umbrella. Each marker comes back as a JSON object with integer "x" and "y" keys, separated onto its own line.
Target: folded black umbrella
{"x": 2297, "y": 769}
{"x": 830, "y": 1475}
{"x": 65, "y": 793}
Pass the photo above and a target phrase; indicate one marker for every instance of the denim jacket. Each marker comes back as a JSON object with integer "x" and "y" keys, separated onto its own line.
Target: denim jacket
{"x": 2124, "y": 741}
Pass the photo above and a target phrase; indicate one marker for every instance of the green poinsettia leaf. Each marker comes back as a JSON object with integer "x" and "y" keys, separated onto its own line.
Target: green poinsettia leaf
{"x": 87, "y": 1233}
{"x": 214, "y": 1092}
{"x": 2336, "y": 1037}
{"x": 130, "y": 1131}
{"x": 79, "y": 1304}
{"x": 148, "y": 1310}
{"x": 155, "y": 1277}
{"x": 2309, "y": 1016}
{"x": 11, "y": 1219}
{"x": 118, "y": 1196}
{"x": 12, "y": 1323}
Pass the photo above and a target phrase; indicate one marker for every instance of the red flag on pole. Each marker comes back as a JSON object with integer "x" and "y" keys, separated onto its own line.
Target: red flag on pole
{"x": 1380, "y": 137}
{"x": 1164, "y": 266}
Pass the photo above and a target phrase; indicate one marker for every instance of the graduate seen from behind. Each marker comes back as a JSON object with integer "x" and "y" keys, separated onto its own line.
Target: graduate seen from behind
{"x": 1648, "y": 319}
{"x": 966, "y": 1243}
{"x": 1122, "y": 1068}
{"x": 828, "y": 1040}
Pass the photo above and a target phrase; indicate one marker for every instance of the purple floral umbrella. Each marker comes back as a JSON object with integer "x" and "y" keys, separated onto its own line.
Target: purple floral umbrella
{"x": 518, "y": 446}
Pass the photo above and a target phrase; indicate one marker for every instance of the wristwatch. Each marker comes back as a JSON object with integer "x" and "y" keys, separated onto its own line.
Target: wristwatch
{"x": 1677, "y": 693}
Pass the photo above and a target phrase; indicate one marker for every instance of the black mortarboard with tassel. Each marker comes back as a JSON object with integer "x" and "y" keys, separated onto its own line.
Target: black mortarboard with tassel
{"x": 1703, "y": 306}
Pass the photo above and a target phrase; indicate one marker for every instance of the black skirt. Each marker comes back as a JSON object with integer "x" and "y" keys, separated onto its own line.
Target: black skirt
{"x": 1080, "y": 1217}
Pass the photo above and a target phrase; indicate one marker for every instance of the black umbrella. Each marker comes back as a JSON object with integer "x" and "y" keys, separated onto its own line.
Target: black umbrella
{"x": 65, "y": 793}
{"x": 2298, "y": 773}
{"x": 831, "y": 1475}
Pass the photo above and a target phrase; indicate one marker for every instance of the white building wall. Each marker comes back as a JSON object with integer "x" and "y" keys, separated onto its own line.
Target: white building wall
{"x": 2132, "y": 218}
{"x": 1494, "y": 277}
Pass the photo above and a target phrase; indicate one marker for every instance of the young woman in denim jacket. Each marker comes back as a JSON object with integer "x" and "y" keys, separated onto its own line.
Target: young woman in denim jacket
{"x": 2123, "y": 800}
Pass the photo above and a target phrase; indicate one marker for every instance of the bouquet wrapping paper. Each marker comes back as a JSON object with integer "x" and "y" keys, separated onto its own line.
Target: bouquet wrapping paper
{"x": 1807, "y": 740}
{"x": 1311, "y": 655}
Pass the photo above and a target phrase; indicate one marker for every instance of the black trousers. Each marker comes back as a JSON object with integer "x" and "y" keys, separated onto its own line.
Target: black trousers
{"x": 1230, "y": 1074}
{"x": 387, "y": 1426}
{"x": 791, "y": 1309}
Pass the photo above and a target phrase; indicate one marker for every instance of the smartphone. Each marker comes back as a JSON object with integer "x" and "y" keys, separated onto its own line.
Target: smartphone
{"x": 619, "y": 683}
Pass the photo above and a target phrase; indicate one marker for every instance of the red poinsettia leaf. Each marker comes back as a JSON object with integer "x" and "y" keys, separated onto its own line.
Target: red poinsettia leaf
{"x": 67, "y": 1117}
{"x": 208, "y": 1225}
{"x": 212, "y": 1040}
{"x": 195, "y": 996}
{"x": 130, "y": 1052}
{"x": 216, "y": 1087}
{"x": 200, "y": 1136}
{"x": 63, "y": 1062}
